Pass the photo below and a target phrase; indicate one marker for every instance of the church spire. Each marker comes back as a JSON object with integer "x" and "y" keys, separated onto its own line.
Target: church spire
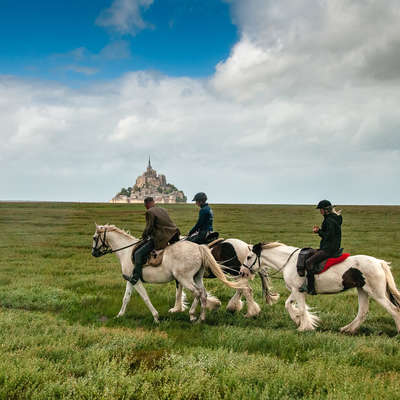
{"x": 149, "y": 166}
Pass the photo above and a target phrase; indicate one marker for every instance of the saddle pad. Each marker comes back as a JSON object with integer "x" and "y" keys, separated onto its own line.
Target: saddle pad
{"x": 214, "y": 242}
{"x": 155, "y": 258}
{"x": 333, "y": 261}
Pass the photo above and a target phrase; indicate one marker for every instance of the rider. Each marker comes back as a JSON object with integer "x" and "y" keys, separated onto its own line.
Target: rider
{"x": 331, "y": 235}
{"x": 204, "y": 224}
{"x": 159, "y": 231}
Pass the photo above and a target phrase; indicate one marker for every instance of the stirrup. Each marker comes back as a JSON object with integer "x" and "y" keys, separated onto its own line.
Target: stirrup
{"x": 303, "y": 288}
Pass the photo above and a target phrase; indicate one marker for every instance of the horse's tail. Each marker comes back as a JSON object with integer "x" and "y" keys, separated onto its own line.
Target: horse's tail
{"x": 269, "y": 296}
{"x": 391, "y": 289}
{"x": 209, "y": 262}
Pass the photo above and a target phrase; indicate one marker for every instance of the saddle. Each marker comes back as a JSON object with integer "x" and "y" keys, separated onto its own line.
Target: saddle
{"x": 155, "y": 257}
{"x": 323, "y": 266}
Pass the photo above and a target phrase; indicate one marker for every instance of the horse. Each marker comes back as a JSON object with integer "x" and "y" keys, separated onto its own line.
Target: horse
{"x": 230, "y": 260}
{"x": 183, "y": 261}
{"x": 371, "y": 276}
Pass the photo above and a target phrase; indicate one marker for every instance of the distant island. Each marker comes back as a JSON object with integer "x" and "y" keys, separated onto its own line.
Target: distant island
{"x": 149, "y": 184}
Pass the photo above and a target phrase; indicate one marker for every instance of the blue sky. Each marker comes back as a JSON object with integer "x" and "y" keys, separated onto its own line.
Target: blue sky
{"x": 64, "y": 41}
{"x": 250, "y": 101}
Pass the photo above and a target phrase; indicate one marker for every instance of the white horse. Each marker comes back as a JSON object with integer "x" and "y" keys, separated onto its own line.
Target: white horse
{"x": 183, "y": 261}
{"x": 371, "y": 276}
{"x": 230, "y": 263}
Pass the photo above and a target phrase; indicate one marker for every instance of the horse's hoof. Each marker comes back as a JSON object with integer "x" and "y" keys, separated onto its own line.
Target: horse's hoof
{"x": 305, "y": 328}
{"x": 156, "y": 320}
{"x": 174, "y": 310}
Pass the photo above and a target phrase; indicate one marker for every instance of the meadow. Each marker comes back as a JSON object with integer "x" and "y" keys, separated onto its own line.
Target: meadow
{"x": 59, "y": 337}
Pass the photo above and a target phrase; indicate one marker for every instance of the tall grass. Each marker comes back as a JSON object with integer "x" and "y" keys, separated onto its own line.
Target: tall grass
{"x": 59, "y": 337}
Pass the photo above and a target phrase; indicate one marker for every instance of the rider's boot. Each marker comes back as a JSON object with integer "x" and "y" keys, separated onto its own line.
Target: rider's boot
{"x": 136, "y": 274}
{"x": 311, "y": 283}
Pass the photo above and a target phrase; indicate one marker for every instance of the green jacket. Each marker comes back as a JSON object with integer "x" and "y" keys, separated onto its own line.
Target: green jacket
{"x": 159, "y": 227}
{"x": 331, "y": 233}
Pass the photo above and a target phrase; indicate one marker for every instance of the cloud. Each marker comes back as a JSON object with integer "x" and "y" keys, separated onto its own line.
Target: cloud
{"x": 304, "y": 108}
{"x": 124, "y": 16}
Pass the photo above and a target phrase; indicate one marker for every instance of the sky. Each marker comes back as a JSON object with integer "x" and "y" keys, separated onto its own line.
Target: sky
{"x": 250, "y": 101}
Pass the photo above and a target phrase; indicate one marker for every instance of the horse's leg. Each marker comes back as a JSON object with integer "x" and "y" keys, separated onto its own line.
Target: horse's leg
{"x": 253, "y": 309}
{"x": 353, "y": 326}
{"x": 390, "y": 308}
{"x": 308, "y": 320}
{"x": 292, "y": 310}
{"x": 270, "y": 297}
{"x": 198, "y": 279}
{"x": 235, "y": 303}
{"x": 377, "y": 290}
{"x": 143, "y": 294}
{"x": 179, "y": 303}
{"x": 190, "y": 285}
{"x": 192, "y": 310}
{"x": 127, "y": 297}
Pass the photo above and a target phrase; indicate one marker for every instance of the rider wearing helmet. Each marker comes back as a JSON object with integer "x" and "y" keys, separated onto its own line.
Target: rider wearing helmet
{"x": 204, "y": 224}
{"x": 331, "y": 236}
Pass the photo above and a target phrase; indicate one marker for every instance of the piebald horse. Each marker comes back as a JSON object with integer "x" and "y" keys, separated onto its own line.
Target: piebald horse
{"x": 371, "y": 276}
{"x": 183, "y": 261}
{"x": 230, "y": 255}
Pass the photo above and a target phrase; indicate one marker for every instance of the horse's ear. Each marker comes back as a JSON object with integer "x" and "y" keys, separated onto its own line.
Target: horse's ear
{"x": 257, "y": 248}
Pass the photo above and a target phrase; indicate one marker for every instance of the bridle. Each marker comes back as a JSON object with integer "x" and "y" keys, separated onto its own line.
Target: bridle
{"x": 258, "y": 258}
{"x": 250, "y": 267}
{"x": 105, "y": 248}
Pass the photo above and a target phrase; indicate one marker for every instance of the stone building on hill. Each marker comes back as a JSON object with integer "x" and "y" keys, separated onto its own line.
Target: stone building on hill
{"x": 150, "y": 184}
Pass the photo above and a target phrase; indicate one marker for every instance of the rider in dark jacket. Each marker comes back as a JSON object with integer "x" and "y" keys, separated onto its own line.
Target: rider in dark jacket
{"x": 160, "y": 230}
{"x": 204, "y": 224}
{"x": 331, "y": 236}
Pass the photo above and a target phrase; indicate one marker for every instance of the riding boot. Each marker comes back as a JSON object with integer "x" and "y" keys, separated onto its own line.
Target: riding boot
{"x": 311, "y": 283}
{"x": 136, "y": 275}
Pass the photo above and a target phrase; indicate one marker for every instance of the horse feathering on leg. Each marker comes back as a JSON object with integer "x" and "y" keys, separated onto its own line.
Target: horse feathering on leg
{"x": 182, "y": 261}
{"x": 371, "y": 276}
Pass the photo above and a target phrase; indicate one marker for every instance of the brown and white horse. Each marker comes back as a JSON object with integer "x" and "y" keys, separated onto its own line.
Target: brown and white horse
{"x": 371, "y": 276}
{"x": 230, "y": 255}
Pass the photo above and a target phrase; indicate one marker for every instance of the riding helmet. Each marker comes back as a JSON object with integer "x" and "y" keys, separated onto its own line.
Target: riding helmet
{"x": 200, "y": 197}
{"x": 324, "y": 204}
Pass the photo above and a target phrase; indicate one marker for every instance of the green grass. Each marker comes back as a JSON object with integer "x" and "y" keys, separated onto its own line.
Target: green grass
{"x": 59, "y": 338}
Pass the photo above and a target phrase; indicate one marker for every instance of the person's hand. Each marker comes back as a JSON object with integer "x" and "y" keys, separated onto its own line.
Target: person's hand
{"x": 315, "y": 229}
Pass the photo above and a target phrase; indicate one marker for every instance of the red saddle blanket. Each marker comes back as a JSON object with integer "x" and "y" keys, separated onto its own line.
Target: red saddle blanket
{"x": 333, "y": 261}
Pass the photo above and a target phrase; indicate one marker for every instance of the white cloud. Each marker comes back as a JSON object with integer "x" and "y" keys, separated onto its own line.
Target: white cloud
{"x": 304, "y": 108}
{"x": 124, "y": 16}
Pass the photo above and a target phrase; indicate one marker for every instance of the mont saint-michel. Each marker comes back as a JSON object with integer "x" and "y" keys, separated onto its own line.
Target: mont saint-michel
{"x": 150, "y": 184}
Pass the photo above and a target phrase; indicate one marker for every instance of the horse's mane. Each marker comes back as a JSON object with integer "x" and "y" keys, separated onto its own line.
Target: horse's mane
{"x": 113, "y": 228}
{"x": 272, "y": 245}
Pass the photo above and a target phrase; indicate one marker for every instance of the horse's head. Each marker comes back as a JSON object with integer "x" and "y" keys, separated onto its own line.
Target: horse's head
{"x": 250, "y": 266}
{"x": 100, "y": 245}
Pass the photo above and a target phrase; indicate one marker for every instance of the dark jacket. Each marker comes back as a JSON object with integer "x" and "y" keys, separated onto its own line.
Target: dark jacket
{"x": 205, "y": 221}
{"x": 159, "y": 227}
{"x": 331, "y": 233}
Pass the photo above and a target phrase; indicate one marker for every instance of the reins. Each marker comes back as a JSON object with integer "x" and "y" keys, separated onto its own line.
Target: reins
{"x": 258, "y": 258}
{"x": 284, "y": 265}
{"x": 105, "y": 248}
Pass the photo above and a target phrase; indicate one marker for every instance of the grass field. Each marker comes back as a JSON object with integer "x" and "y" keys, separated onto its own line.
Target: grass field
{"x": 59, "y": 338}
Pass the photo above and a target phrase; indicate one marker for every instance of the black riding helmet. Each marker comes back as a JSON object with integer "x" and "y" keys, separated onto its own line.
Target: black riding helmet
{"x": 324, "y": 204}
{"x": 200, "y": 197}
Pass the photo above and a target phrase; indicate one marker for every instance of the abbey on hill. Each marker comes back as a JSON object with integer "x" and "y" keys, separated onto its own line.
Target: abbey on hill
{"x": 150, "y": 184}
